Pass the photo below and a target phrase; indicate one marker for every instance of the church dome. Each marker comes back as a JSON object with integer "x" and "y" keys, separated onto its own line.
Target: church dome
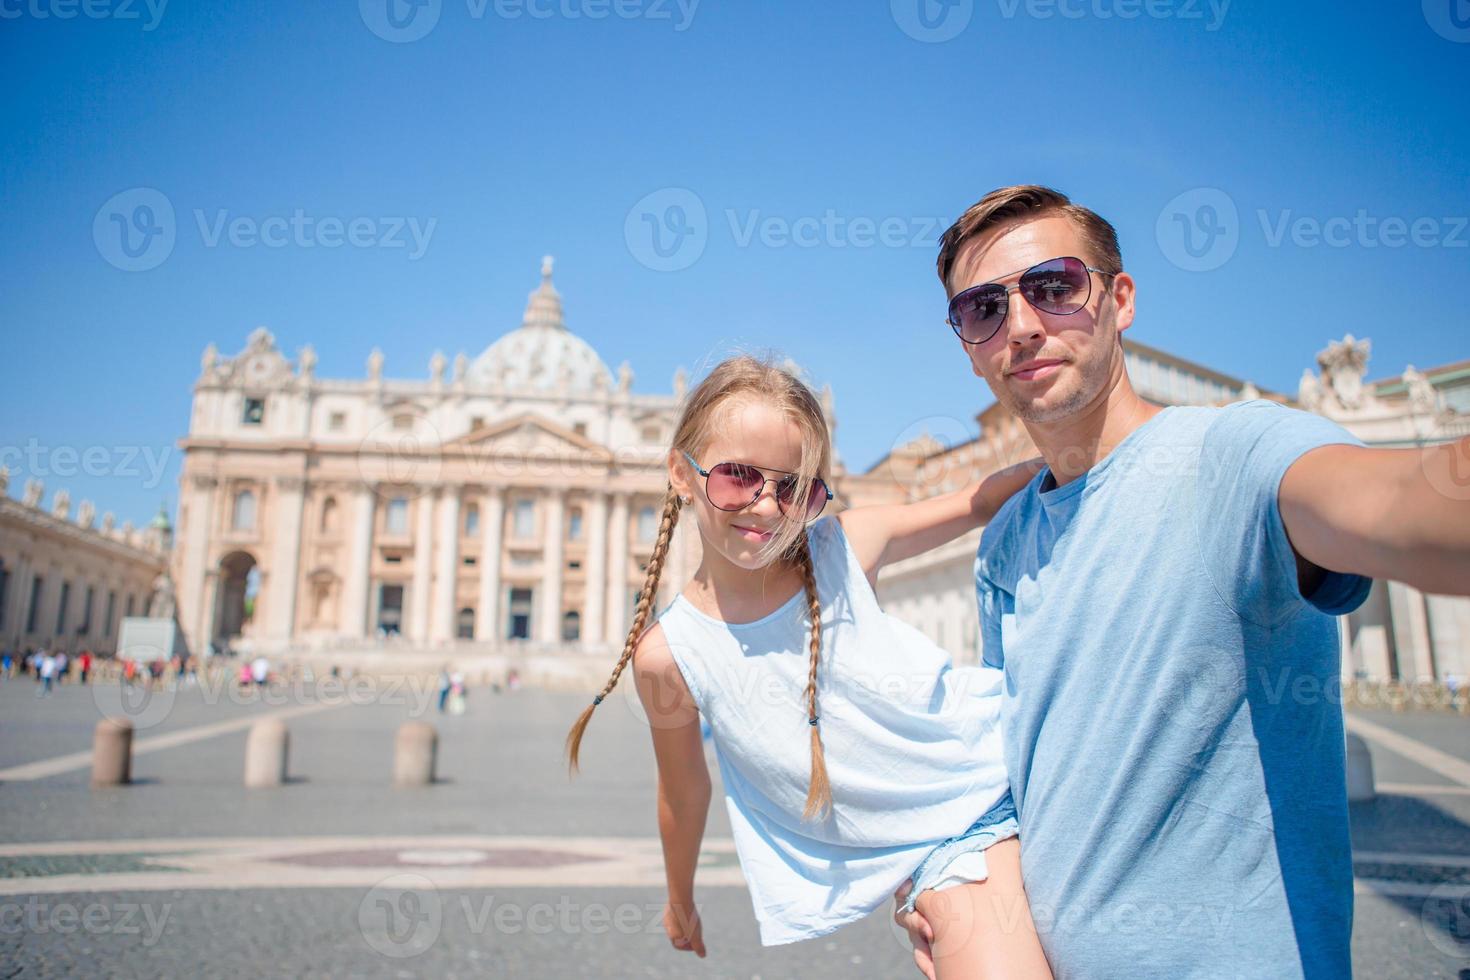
{"x": 542, "y": 354}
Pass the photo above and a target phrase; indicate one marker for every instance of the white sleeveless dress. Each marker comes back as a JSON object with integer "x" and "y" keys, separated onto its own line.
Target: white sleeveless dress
{"x": 912, "y": 744}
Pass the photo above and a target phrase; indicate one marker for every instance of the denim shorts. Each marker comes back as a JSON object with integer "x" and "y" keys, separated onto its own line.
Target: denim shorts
{"x": 997, "y": 824}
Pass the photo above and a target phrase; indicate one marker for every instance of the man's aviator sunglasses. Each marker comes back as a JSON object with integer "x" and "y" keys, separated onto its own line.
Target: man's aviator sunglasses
{"x": 1059, "y": 286}
{"x": 735, "y": 486}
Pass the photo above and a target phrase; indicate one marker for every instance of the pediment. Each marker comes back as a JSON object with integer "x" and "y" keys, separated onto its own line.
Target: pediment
{"x": 527, "y": 435}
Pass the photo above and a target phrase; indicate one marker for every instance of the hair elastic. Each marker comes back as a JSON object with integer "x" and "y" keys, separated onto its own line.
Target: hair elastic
{"x": 597, "y": 700}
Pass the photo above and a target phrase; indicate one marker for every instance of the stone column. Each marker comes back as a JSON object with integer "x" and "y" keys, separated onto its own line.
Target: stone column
{"x": 548, "y": 627}
{"x": 593, "y": 620}
{"x": 492, "y": 518}
{"x": 1411, "y": 632}
{"x": 286, "y": 561}
{"x": 617, "y": 567}
{"x": 197, "y": 613}
{"x": 423, "y": 541}
{"x": 18, "y": 602}
{"x": 211, "y": 612}
{"x": 359, "y": 572}
{"x": 445, "y": 578}
{"x": 1449, "y": 633}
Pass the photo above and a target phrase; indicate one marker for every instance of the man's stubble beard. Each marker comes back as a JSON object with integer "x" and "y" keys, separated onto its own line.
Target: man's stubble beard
{"x": 1091, "y": 380}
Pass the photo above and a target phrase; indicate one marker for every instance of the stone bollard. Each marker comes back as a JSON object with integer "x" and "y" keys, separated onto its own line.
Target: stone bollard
{"x": 112, "y": 752}
{"x": 414, "y": 753}
{"x": 1359, "y": 771}
{"x": 265, "y": 753}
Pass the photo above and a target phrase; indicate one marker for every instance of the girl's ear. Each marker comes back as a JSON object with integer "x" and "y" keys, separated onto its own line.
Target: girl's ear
{"x": 679, "y": 470}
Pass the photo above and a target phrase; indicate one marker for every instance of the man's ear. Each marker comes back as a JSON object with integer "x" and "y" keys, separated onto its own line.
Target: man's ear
{"x": 1123, "y": 298}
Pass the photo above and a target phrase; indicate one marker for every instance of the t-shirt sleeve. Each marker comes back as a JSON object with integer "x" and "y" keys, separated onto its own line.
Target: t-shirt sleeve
{"x": 991, "y": 601}
{"x": 1245, "y": 454}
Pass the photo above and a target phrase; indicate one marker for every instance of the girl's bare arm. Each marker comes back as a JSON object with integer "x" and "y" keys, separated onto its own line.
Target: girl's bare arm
{"x": 683, "y": 780}
{"x": 892, "y": 532}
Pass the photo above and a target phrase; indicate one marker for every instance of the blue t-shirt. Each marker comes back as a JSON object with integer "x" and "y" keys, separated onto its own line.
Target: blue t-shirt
{"x": 1172, "y": 707}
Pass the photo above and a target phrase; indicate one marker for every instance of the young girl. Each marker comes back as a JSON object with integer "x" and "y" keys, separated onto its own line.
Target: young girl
{"x": 854, "y": 757}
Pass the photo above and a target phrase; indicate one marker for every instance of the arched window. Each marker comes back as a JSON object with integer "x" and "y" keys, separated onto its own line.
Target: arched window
{"x": 472, "y": 520}
{"x": 465, "y": 628}
{"x": 571, "y": 626}
{"x": 574, "y": 524}
{"x": 243, "y": 517}
{"x": 329, "y": 515}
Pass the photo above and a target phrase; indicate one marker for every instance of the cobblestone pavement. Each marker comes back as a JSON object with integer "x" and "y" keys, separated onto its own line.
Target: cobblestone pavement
{"x": 505, "y": 867}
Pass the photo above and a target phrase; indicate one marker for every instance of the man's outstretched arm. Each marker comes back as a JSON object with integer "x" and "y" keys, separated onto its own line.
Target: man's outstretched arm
{"x": 1401, "y": 514}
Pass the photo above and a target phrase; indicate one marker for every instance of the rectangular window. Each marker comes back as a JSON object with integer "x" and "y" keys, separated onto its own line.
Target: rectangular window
{"x": 61, "y": 608}
{"x": 86, "y": 626}
{"x": 396, "y": 519}
{"x": 525, "y": 519}
{"x": 254, "y": 412}
{"x": 37, "y": 585}
{"x": 469, "y": 559}
{"x": 111, "y": 609}
{"x": 337, "y": 421}
{"x": 574, "y": 525}
{"x": 5, "y": 577}
{"x": 130, "y": 607}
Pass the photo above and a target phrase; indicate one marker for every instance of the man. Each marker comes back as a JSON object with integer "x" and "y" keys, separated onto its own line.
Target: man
{"x": 1162, "y": 600}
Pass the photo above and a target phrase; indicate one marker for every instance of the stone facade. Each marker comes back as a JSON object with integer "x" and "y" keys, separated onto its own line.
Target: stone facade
{"x": 512, "y": 499}
{"x": 66, "y": 580}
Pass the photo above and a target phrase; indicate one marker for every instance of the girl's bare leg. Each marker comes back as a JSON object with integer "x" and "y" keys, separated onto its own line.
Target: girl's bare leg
{"x": 984, "y": 929}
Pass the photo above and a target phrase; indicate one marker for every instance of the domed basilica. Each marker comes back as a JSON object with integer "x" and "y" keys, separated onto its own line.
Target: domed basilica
{"x": 512, "y": 497}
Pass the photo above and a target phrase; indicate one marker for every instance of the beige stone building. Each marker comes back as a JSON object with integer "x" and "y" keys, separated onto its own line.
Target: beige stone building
{"x": 1399, "y": 633}
{"x": 66, "y": 582}
{"x": 505, "y": 501}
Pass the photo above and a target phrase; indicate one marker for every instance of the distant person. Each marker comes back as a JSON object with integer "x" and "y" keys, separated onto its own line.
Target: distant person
{"x": 260, "y": 671}
{"x": 445, "y": 683}
{"x": 46, "y": 675}
{"x": 456, "y": 693}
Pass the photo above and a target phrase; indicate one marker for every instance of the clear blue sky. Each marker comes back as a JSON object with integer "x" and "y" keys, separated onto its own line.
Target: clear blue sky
{"x": 519, "y": 136}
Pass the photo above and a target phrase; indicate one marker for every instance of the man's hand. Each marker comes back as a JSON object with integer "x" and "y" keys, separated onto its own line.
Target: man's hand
{"x": 684, "y": 929}
{"x": 918, "y": 929}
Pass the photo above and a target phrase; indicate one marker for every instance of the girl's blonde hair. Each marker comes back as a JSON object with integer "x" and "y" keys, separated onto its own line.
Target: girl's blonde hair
{"x": 735, "y": 381}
